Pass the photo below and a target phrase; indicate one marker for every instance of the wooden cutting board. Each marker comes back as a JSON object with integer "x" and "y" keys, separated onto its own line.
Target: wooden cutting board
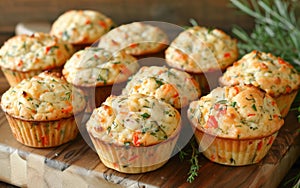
{"x": 76, "y": 165}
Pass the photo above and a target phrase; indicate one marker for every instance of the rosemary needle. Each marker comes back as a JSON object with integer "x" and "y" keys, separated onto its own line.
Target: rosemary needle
{"x": 276, "y": 29}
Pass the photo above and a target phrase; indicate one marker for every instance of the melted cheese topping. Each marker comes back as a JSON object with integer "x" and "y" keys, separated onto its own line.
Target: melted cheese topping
{"x": 39, "y": 51}
{"x": 137, "y": 120}
{"x": 199, "y": 49}
{"x": 238, "y": 112}
{"x": 135, "y": 38}
{"x": 170, "y": 85}
{"x": 264, "y": 70}
{"x": 81, "y": 26}
{"x": 43, "y": 98}
{"x": 96, "y": 66}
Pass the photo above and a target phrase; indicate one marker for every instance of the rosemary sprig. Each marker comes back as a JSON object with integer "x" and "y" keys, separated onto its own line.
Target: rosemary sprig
{"x": 193, "y": 172}
{"x": 276, "y": 28}
{"x": 194, "y": 153}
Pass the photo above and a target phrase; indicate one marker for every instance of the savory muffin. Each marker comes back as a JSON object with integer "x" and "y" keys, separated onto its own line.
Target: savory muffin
{"x": 24, "y": 56}
{"x": 41, "y": 111}
{"x": 81, "y": 27}
{"x": 267, "y": 72}
{"x": 135, "y": 38}
{"x": 235, "y": 125}
{"x": 134, "y": 134}
{"x": 175, "y": 87}
{"x": 97, "y": 71}
{"x": 200, "y": 51}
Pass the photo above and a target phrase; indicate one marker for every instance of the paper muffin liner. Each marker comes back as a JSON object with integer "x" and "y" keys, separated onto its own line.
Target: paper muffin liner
{"x": 96, "y": 95}
{"x": 234, "y": 152}
{"x": 285, "y": 101}
{"x": 135, "y": 159}
{"x": 14, "y": 77}
{"x": 43, "y": 134}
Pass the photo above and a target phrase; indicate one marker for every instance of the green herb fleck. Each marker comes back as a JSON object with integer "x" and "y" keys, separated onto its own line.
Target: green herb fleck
{"x": 145, "y": 115}
{"x": 254, "y": 107}
{"x": 233, "y": 104}
{"x": 222, "y": 101}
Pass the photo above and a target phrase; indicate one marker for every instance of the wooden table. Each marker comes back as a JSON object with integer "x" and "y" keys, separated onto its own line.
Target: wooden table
{"x": 76, "y": 165}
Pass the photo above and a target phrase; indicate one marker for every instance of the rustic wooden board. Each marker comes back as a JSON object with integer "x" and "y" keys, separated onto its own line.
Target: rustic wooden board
{"x": 76, "y": 165}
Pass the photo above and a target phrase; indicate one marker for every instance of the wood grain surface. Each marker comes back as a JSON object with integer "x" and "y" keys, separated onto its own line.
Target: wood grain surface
{"x": 75, "y": 164}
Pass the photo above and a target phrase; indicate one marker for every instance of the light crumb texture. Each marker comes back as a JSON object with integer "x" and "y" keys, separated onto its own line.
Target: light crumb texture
{"x": 199, "y": 49}
{"x": 44, "y": 97}
{"x": 263, "y": 70}
{"x": 135, "y": 38}
{"x": 136, "y": 120}
{"x": 81, "y": 26}
{"x": 39, "y": 51}
{"x": 98, "y": 67}
{"x": 175, "y": 87}
{"x": 238, "y": 112}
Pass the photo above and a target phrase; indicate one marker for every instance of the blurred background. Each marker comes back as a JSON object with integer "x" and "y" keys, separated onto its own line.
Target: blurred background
{"x": 217, "y": 13}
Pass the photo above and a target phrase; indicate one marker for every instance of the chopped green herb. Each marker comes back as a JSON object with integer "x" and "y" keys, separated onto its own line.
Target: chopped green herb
{"x": 108, "y": 130}
{"x": 145, "y": 115}
{"x": 158, "y": 82}
{"x": 65, "y": 35}
{"x": 233, "y": 104}
{"x": 254, "y": 107}
{"x": 68, "y": 95}
{"x": 222, "y": 101}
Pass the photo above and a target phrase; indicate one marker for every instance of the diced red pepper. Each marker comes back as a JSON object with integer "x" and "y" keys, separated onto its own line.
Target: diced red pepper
{"x": 263, "y": 66}
{"x": 176, "y": 94}
{"x": 226, "y": 55}
{"x": 212, "y": 122}
{"x": 135, "y": 138}
{"x": 217, "y": 106}
{"x": 87, "y": 21}
{"x": 250, "y": 115}
{"x": 133, "y": 45}
{"x": 288, "y": 89}
{"x": 281, "y": 61}
{"x": 236, "y": 89}
{"x": 221, "y": 110}
{"x": 48, "y": 48}
{"x": 20, "y": 63}
{"x": 102, "y": 23}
